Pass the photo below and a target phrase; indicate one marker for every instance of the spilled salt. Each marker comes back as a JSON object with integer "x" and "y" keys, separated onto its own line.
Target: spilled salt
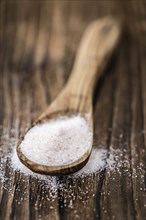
{"x": 17, "y": 165}
{"x": 96, "y": 162}
{"x": 80, "y": 186}
{"x": 101, "y": 159}
{"x": 57, "y": 142}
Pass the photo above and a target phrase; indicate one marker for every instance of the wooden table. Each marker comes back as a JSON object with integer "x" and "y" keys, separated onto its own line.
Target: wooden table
{"x": 38, "y": 45}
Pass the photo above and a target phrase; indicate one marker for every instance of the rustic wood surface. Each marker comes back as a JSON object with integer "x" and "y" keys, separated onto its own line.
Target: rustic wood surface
{"x": 38, "y": 42}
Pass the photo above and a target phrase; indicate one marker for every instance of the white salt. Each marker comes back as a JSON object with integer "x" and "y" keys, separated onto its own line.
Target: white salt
{"x": 112, "y": 161}
{"x": 57, "y": 142}
{"x": 17, "y": 165}
{"x": 96, "y": 162}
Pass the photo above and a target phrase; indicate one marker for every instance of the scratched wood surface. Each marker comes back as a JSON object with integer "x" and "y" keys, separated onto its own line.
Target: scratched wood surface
{"x": 38, "y": 42}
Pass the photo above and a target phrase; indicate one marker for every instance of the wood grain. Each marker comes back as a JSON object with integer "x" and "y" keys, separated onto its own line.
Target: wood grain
{"x": 31, "y": 69}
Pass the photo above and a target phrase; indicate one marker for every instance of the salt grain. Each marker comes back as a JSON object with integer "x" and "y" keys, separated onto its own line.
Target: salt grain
{"x": 17, "y": 165}
{"x": 96, "y": 163}
{"x": 57, "y": 142}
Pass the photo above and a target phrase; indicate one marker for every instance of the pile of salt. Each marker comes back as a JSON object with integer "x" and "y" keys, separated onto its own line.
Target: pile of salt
{"x": 57, "y": 142}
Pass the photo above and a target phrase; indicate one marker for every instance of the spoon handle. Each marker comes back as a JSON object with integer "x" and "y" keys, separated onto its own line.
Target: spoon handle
{"x": 98, "y": 43}
{"x": 96, "y": 47}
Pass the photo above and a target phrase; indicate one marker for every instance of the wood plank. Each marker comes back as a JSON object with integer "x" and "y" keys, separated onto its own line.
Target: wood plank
{"x": 119, "y": 181}
{"x": 38, "y": 51}
{"x": 138, "y": 152}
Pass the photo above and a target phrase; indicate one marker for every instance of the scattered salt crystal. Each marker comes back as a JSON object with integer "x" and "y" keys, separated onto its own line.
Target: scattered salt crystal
{"x": 113, "y": 160}
{"x": 96, "y": 162}
{"x": 17, "y": 165}
{"x": 57, "y": 142}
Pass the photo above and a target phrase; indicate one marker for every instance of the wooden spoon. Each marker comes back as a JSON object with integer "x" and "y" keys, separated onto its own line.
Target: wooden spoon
{"x": 97, "y": 45}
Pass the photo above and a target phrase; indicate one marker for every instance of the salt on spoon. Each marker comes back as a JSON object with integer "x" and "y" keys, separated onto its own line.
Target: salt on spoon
{"x": 61, "y": 139}
{"x": 58, "y": 142}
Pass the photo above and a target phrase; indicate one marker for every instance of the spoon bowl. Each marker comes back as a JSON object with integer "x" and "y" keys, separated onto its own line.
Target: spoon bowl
{"x": 61, "y": 169}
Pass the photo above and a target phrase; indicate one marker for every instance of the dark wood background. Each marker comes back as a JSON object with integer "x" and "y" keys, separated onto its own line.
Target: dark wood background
{"x": 37, "y": 46}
